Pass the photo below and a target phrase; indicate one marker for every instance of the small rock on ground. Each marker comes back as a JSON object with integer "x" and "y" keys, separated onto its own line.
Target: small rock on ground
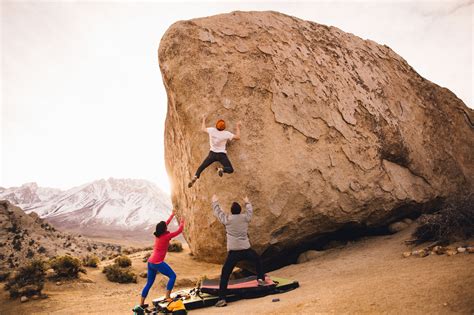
{"x": 397, "y": 227}
{"x": 420, "y": 253}
{"x": 451, "y": 252}
{"x": 440, "y": 250}
{"x": 408, "y": 221}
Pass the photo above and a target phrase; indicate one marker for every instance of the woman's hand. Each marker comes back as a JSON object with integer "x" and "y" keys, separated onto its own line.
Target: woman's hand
{"x": 246, "y": 199}
{"x": 214, "y": 198}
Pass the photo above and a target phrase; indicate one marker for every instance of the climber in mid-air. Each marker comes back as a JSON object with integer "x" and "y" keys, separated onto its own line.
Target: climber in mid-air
{"x": 218, "y": 138}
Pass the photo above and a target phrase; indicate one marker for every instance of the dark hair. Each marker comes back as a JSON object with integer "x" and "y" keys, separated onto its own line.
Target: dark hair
{"x": 160, "y": 229}
{"x": 235, "y": 208}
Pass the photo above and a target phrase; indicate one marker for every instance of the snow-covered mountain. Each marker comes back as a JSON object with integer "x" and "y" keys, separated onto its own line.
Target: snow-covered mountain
{"x": 119, "y": 205}
{"x": 28, "y": 194}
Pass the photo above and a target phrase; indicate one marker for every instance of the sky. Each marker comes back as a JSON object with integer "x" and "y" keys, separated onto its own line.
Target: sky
{"x": 81, "y": 90}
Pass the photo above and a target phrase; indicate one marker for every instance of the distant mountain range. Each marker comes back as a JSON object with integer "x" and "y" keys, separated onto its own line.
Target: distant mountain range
{"x": 111, "y": 208}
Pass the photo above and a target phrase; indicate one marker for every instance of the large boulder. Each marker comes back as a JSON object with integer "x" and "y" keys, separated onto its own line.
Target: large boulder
{"x": 337, "y": 131}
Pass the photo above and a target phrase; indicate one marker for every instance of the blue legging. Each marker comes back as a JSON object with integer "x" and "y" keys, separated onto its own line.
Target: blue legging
{"x": 162, "y": 268}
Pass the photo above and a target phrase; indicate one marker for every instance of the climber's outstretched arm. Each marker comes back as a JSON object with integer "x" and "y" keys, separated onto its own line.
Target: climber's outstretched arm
{"x": 203, "y": 124}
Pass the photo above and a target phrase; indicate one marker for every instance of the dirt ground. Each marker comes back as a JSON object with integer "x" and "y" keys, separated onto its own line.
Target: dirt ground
{"x": 369, "y": 276}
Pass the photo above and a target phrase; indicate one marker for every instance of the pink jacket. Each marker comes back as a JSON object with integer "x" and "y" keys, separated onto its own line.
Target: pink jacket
{"x": 161, "y": 243}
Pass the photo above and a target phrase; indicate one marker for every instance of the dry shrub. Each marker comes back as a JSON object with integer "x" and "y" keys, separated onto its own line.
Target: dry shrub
{"x": 145, "y": 258}
{"x": 66, "y": 267}
{"x": 28, "y": 280}
{"x": 175, "y": 246}
{"x": 123, "y": 261}
{"x": 112, "y": 256}
{"x": 4, "y": 275}
{"x": 115, "y": 273}
{"x": 91, "y": 261}
{"x": 131, "y": 250}
{"x": 455, "y": 221}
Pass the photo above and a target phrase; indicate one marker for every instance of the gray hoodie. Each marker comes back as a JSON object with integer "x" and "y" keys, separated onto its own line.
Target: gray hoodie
{"x": 236, "y": 226}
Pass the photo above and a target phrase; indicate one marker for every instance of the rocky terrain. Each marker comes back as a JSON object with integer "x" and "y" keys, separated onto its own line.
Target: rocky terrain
{"x": 338, "y": 132}
{"x": 366, "y": 277}
{"x": 27, "y": 236}
{"x": 112, "y": 208}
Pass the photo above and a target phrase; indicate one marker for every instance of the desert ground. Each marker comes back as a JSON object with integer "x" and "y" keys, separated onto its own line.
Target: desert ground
{"x": 368, "y": 276}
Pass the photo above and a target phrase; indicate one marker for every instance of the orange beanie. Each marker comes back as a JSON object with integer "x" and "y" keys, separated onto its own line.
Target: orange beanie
{"x": 220, "y": 125}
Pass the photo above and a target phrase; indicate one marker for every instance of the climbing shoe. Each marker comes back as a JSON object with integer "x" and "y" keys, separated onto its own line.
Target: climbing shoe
{"x": 191, "y": 183}
{"x": 221, "y": 303}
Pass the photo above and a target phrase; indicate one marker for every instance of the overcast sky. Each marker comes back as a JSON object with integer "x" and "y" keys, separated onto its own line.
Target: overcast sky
{"x": 82, "y": 96}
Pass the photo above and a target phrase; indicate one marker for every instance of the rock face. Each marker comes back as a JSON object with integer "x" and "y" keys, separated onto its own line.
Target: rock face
{"x": 336, "y": 130}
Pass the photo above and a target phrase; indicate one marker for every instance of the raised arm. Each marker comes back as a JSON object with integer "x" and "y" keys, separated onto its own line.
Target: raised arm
{"x": 178, "y": 231}
{"x": 170, "y": 218}
{"x": 237, "y": 131}
{"x": 203, "y": 124}
{"x": 218, "y": 213}
{"x": 248, "y": 206}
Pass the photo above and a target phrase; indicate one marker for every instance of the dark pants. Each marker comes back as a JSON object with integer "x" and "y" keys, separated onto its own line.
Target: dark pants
{"x": 215, "y": 157}
{"x": 233, "y": 257}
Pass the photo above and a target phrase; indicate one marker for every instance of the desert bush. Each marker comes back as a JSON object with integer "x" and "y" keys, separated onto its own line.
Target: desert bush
{"x": 454, "y": 221}
{"x": 112, "y": 256}
{"x": 14, "y": 228}
{"x": 123, "y": 261}
{"x": 115, "y": 273}
{"x": 145, "y": 258}
{"x": 28, "y": 280}
{"x": 90, "y": 261}
{"x": 16, "y": 244}
{"x": 66, "y": 267}
{"x": 175, "y": 246}
{"x": 29, "y": 253}
{"x": 4, "y": 275}
{"x": 130, "y": 250}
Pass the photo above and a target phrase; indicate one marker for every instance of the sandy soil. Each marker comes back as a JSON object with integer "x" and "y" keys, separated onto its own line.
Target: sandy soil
{"x": 368, "y": 276}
